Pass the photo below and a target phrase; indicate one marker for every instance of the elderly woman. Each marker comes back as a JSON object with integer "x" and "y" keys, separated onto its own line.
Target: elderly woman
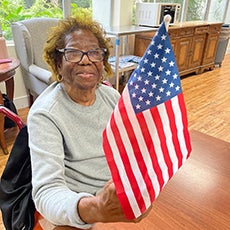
{"x": 71, "y": 180}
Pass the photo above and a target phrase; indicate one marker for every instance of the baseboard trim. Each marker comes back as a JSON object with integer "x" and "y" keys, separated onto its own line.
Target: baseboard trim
{"x": 21, "y": 102}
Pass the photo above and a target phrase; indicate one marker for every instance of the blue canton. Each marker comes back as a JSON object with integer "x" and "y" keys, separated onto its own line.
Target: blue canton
{"x": 156, "y": 79}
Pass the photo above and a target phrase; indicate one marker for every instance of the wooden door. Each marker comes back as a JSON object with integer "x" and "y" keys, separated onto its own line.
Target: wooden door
{"x": 196, "y": 53}
{"x": 183, "y": 52}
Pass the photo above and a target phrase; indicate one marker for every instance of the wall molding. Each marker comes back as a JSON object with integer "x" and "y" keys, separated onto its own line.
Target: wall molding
{"x": 21, "y": 102}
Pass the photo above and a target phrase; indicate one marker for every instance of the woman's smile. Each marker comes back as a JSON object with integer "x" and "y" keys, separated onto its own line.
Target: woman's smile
{"x": 85, "y": 74}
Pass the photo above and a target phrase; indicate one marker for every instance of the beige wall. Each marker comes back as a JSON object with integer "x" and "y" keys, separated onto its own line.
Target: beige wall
{"x": 20, "y": 95}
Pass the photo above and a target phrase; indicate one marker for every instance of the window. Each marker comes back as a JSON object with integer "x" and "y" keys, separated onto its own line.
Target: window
{"x": 217, "y": 10}
{"x": 17, "y": 10}
{"x": 23, "y": 9}
{"x": 195, "y": 10}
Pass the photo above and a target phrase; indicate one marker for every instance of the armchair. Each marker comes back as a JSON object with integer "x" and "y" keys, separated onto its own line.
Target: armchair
{"x": 29, "y": 37}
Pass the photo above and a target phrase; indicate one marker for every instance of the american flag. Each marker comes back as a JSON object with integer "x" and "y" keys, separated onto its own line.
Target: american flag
{"x": 146, "y": 139}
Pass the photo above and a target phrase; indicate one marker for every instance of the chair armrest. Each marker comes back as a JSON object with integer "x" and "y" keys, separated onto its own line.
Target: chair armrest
{"x": 14, "y": 117}
{"x": 40, "y": 73}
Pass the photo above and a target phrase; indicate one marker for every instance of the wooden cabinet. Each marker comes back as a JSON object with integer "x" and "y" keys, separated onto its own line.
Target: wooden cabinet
{"x": 190, "y": 43}
{"x": 194, "y": 45}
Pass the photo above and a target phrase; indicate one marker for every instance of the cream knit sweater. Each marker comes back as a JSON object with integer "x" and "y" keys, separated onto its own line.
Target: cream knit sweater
{"x": 67, "y": 158}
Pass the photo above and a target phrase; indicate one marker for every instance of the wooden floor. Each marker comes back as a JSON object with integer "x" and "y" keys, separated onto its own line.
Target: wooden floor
{"x": 207, "y": 98}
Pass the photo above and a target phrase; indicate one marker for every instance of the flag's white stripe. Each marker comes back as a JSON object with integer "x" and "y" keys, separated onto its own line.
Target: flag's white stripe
{"x": 180, "y": 127}
{"x": 157, "y": 145}
{"x": 142, "y": 145}
{"x": 168, "y": 135}
{"x": 132, "y": 159}
{"x": 129, "y": 149}
{"x": 121, "y": 169}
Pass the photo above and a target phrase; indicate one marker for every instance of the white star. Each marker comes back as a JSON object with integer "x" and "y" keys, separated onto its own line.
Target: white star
{"x": 156, "y": 55}
{"x": 164, "y": 59}
{"x": 171, "y": 63}
{"x": 164, "y": 81}
{"x": 136, "y": 86}
{"x": 143, "y": 90}
{"x": 160, "y": 68}
{"x": 142, "y": 69}
{"x": 140, "y": 98}
{"x": 161, "y": 90}
{"x": 146, "y": 60}
{"x": 171, "y": 85}
{"x": 163, "y": 37}
{"x": 177, "y": 88}
{"x": 153, "y": 64}
{"x": 149, "y": 52}
{"x": 168, "y": 93}
{"x": 150, "y": 94}
{"x": 150, "y": 73}
{"x": 148, "y": 102}
{"x": 139, "y": 78}
{"x": 154, "y": 86}
{"x": 167, "y": 50}
{"x": 168, "y": 72}
{"x": 175, "y": 76}
{"x": 159, "y": 47}
{"x": 138, "y": 106}
{"x": 157, "y": 77}
{"x": 158, "y": 98}
{"x": 134, "y": 95}
{"x": 146, "y": 82}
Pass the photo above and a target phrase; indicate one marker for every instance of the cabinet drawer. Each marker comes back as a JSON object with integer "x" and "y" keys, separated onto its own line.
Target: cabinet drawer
{"x": 145, "y": 35}
{"x": 186, "y": 31}
{"x": 173, "y": 33}
{"x": 201, "y": 29}
{"x": 215, "y": 28}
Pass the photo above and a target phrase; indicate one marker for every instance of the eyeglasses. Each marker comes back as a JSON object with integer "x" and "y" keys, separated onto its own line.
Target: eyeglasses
{"x": 74, "y": 55}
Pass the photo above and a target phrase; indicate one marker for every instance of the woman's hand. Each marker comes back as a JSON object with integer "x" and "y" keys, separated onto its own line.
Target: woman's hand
{"x": 109, "y": 205}
{"x": 104, "y": 207}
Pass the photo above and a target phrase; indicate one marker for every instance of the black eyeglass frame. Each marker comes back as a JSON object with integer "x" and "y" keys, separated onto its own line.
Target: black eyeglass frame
{"x": 83, "y": 53}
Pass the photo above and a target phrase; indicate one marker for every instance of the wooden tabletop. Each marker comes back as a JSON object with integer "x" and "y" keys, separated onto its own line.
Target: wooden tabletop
{"x": 8, "y": 69}
{"x": 7, "y": 72}
{"x": 197, "y": 197}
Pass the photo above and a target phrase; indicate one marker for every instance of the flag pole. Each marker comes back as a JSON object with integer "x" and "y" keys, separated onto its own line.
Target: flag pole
{"x": 167, "y": 19}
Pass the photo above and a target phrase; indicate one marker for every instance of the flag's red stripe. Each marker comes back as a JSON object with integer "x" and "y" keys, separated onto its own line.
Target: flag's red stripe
{"x": 185, "y": 123}
{"x": 124, "y": 155}
{"x": 145, "y": 174}
{"x": 174, "y": 131}
{"x": 136, "y": 150}
{"x": 160, "y": 130}
{"x": 150, "y": 145}
{"x": 112, "y": 165}
{"x": 122, "y": 196}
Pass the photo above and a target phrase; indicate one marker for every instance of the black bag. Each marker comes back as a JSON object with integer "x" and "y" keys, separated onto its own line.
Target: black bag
{"x": 11, "y": 106}
{"x": 16, "y": 201}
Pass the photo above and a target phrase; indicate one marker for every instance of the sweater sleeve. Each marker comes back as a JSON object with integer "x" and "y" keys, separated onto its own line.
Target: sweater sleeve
{"x": 52, "y": 198}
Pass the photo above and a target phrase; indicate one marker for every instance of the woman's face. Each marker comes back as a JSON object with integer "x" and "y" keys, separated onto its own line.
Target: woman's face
{"x": 83, "y": 75}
